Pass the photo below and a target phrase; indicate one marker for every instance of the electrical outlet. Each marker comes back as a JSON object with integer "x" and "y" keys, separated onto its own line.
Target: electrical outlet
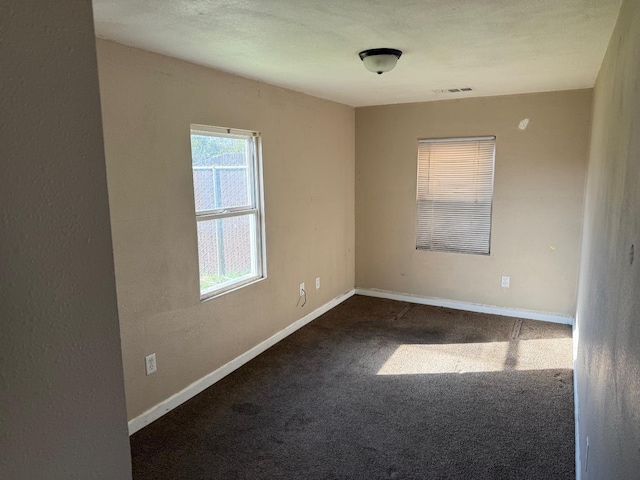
{"x": 150, "y": 363}
{"x": 317, "y": 283}
{"x": 506, "y": 279}
{"x": 302, "y": 290}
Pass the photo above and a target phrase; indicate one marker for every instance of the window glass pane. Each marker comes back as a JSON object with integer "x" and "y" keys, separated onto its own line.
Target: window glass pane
{"x": 221, "y": 171}
{"x": 203, "y": 188}
{"x": 228, "y": 207}
{"x": 226, "y": 249}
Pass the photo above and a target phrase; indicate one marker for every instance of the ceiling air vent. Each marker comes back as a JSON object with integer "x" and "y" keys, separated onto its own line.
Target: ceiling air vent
{"x": 452, "y": 90}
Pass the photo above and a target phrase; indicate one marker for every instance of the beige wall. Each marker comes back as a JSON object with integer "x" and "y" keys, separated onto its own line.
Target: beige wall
{"x": 62, "y": 406}
{"x": 538, "y": 198}
{"x": 148, "y": 103}
{"x": 608, "y": 320}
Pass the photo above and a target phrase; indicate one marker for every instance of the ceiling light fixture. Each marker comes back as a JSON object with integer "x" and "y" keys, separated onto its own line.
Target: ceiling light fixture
{"x": 380, "y": 60}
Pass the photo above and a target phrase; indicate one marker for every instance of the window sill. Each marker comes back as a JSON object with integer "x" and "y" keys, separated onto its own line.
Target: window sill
{"x": 231, "y": 288}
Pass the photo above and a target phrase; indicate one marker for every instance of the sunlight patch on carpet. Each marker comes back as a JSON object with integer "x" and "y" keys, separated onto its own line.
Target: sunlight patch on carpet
{"x": 539, "y": 354}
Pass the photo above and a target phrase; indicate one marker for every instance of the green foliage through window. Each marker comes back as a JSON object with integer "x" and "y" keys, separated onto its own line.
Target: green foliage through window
{"x": 204, "y": 148}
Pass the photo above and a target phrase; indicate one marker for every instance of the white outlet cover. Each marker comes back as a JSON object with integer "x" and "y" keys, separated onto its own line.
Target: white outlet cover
{"x": 506, "y": 279}
{"x": 302, "y": 289}
{"x": 317, "y": 283}
{"x": 150, "y": 363}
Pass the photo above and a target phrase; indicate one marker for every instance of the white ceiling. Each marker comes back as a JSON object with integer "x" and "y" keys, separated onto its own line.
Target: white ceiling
{"x": 494, "y": 46}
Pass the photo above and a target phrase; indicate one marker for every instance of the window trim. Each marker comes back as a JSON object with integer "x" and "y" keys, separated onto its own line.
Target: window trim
{"x": 493, "y": 169}
{"x": 255, "y": 208}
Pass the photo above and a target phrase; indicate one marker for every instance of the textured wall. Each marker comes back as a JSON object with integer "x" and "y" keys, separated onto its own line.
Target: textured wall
{"x": 61, "y": 386}
{"x": 608, "y": 360}
{"x": 148, "y": 102}
{"x": 537, "y": 207}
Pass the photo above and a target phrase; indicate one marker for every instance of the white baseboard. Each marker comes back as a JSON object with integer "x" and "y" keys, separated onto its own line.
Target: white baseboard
{"x": 471, "y": 307}
{"x": 205, "y": 382}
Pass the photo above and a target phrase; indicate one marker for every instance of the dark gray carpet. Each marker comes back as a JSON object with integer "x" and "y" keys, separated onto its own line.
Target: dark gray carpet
{"x": 379, "y": 389}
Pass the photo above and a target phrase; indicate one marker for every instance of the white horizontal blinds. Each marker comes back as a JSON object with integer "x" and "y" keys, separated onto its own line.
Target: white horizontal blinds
{"x": 455, "y": 191}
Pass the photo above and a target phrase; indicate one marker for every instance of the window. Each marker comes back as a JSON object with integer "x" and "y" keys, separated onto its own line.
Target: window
{"x": 455, "y": 193}
{"x": 228, "y": 203}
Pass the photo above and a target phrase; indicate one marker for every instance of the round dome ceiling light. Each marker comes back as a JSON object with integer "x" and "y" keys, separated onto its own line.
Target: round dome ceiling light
{"x": 380, "y": 60}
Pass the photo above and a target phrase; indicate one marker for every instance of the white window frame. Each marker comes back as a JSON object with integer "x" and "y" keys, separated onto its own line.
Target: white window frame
{"x": 448, "y": 216}
{"x": 255, "y": 209}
